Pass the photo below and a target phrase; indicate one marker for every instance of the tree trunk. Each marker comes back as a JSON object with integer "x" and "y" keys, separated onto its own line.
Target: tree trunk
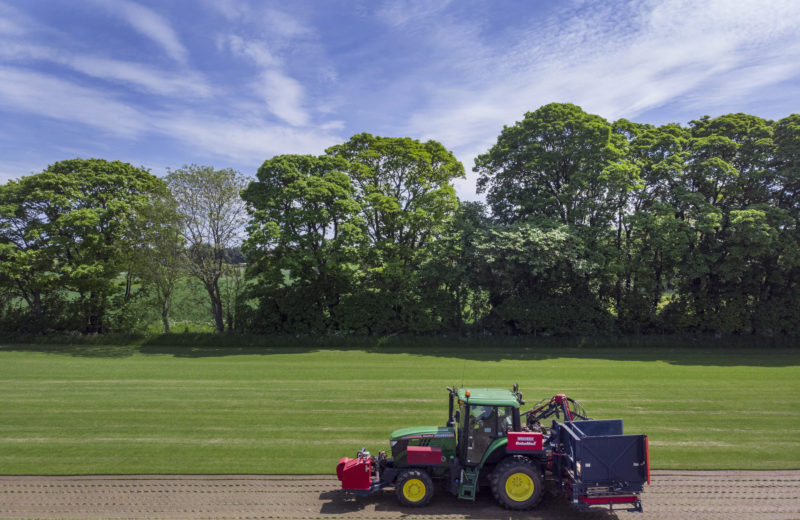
{"x": 216, "y": 304}
{"x": 95, "y": 321}
{"x": 165, "y": 315}
{"x": 128, "y": 284}
{"x": 38, "y": 309}
{"x": 34, "y": 301}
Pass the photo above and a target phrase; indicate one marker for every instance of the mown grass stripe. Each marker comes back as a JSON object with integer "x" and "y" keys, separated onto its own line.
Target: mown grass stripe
{"x": 71, "y": 410}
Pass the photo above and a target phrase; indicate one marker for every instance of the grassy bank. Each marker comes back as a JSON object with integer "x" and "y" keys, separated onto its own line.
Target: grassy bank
{"x": 203, "y": 407}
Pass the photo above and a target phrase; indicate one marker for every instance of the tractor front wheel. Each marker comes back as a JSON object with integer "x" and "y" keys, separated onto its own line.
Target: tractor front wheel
{"x": 517, "y": 484}
{"x": 414, "y": 488}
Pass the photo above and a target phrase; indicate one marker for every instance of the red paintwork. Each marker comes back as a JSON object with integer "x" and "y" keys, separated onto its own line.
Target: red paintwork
{"x": 562, "y": 400}
{"x": 340, "y": 467}
{"x": 524, "y": 441}
{"x": 607, "y": 500}
{"x": 647, "y": 457}
{"x": 424, "y": 455}
{"x": 355, "y": 473}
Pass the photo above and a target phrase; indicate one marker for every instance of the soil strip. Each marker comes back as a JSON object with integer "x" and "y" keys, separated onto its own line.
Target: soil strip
{"x": 730, "y": 495}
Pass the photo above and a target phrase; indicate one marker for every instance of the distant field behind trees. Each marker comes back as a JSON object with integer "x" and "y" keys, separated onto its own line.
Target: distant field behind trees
{"x": 589, "y": 227}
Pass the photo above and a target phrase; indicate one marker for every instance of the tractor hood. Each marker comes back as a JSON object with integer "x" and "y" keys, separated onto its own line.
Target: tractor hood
{"x": 422, "y": 432}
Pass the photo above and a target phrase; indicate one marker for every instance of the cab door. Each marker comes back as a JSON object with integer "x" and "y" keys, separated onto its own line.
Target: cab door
{"x": 481, "y": 430}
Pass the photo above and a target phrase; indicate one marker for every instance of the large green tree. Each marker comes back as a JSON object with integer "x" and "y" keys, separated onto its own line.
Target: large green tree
{"x": 405, "y": 192}
{"x": 213, "y": 220}
{"x": 783, "y": 292}
{"x": 559, "y": 163}
{"x": 530, "y": 272}
{"x": 71, "y": 229}
{"x": 723, "y": 197}
{"x": 305, "y": 235}
{"x": 563, "y": 171}
{"x": 450, "y": 277}
{"x": 649, "y": 239}
{"x": 161, "y": 257}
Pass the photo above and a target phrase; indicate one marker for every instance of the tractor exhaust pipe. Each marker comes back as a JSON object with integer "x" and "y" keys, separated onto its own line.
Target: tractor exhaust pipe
{"x": 451, "y": 421}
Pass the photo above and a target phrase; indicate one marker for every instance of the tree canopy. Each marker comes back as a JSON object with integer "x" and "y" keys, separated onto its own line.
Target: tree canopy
{"x": 212, "y": 217}
{"x": 72, "y": 229}
{"x": 590, "y": 227}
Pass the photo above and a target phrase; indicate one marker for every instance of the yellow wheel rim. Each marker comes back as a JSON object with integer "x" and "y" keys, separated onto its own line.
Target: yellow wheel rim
{"x": 519, "y": 487}
{"x": 414, "y": 490}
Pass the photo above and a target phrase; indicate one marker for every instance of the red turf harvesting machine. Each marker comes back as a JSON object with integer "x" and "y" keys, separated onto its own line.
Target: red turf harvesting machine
{"x": 488, "y": 443}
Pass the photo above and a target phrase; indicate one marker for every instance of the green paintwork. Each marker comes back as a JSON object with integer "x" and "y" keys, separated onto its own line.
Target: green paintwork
{"x": 420, "y": 430}
{"x": 488, "y": 396}
{"x": 441, "y": 436}
{"x": 497, "y": 444}
{"x": 468, "y": 484}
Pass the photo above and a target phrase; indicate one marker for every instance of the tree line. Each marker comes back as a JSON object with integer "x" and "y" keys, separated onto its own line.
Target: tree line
{"x": 589, "y": 227}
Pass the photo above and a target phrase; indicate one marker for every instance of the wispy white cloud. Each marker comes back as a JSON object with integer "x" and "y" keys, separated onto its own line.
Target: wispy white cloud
{"x": 44, "y": 95}
{"x": 15, "y": 169}
{"x": 451, "y": 71}
{"x": 709, "y": 54}
{"x": 29, "y": 42}
{"x": 230, "y": 9}
{"x": 283, "y": 25}
{"x": 257, "y": 51}
{"x": 268, "y": 38}
{"x": 238, "y": 136}
{"x": 184, "y": 83}
{"x": 9, "y": 28}
{"x": 241, "y": 139}
{"x": 402, "y": 12}
{"x": 150, "y": 24}
{"x": 13, "y": 22}
{"x": 234, "y": 128}
{"x": 283, "y": 95}
{"x": 275, "y": 24}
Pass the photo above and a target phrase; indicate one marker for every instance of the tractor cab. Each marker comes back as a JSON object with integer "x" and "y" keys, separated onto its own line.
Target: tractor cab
{"x": 481, "y": 416}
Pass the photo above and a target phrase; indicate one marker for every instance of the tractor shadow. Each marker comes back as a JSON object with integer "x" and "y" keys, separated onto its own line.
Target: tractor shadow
{"x": 384, "y": 504}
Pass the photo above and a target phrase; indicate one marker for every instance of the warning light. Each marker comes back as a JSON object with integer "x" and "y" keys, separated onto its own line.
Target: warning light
{"x": 466, "y": 393}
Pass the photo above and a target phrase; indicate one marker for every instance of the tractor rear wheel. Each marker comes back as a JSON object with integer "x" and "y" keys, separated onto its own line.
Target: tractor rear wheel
{"x": 414, "y": 488}
{"x": 517, "y": 483}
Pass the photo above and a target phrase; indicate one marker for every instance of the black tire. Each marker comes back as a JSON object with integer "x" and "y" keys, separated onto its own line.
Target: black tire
{"x": 414, "y": 488}
{"x": 517, "y": 483}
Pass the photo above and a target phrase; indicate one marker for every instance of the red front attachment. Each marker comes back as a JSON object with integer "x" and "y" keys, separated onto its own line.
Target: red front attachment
{"x": 355, "y": 473}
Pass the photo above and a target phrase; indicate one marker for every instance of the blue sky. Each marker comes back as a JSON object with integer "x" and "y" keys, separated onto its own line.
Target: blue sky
{"x": 230, "y": 83}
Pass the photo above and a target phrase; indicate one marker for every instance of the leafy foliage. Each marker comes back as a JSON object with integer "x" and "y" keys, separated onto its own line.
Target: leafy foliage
{"x": 212, "y": 220}
{"x": 68, "y": 233}
{"x": 336, "y": 241}
{"x": 304, "y": 238}
{"x": 685, "y": 228}
{"x": 590, "y": 226}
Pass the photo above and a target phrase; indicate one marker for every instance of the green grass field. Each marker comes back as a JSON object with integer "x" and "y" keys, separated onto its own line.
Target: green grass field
{"x": 94, "y": 409}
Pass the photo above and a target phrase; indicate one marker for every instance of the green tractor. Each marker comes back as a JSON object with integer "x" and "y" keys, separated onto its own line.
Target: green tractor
{"x": 488, "y": 443}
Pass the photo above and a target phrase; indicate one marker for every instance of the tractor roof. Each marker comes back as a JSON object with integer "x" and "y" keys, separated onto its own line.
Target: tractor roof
{"x": 488, "y": 396}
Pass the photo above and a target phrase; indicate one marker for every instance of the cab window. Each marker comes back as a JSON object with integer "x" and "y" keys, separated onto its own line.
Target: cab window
{"x": 482, "y": 430}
